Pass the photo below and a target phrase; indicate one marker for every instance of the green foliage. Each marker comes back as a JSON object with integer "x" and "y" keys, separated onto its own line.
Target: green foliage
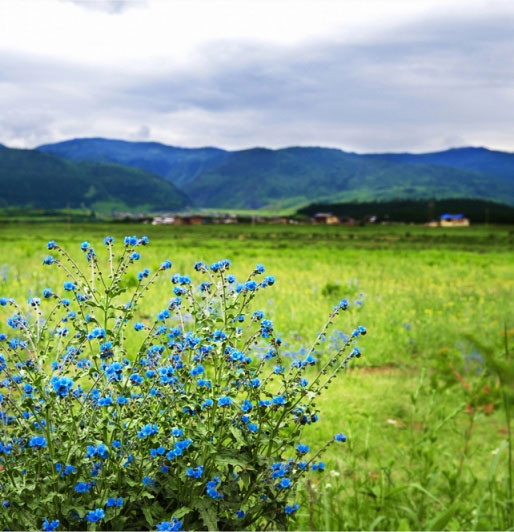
{"x": 29, "y": 178}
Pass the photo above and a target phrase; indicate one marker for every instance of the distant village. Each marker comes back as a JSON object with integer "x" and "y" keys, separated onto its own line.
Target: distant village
{"x": 320, "y": 218}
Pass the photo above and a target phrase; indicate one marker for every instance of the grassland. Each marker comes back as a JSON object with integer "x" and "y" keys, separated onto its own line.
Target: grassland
{"x": 423, "y": 408}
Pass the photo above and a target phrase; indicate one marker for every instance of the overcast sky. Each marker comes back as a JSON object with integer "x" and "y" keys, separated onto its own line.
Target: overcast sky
{"x": 365, "y": 75}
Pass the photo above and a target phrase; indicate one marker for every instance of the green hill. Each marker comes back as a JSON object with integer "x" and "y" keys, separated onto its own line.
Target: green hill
{"x": 29, "y": 178}
{"x": 294, "y": 176}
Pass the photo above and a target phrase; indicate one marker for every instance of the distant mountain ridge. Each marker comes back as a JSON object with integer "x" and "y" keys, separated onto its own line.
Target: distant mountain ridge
{"x": 178, "y": 165}
{"x": 290, "y": 177}
{"x": 30, "y": 178}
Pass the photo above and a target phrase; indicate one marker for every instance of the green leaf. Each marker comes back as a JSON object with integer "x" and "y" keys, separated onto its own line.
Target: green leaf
{"x": 208, "y": 514}
{"x": 237, "y": 435}
{"x": 148, "y": 515}
{"x": 181, "y": 512}
{"x": 232, "y": 458}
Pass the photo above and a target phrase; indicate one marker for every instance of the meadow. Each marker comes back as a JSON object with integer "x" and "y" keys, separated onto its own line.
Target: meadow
{"x": 426, "y": 408}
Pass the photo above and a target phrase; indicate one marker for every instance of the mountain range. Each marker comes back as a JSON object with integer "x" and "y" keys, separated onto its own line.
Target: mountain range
{"x": 153, "y": 176}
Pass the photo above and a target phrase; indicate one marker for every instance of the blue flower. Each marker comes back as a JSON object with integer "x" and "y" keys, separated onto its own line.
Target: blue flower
{"x": 148, "y": 430}
{"x": 251, "y": 286}
{"x": 136, "y": 379}
{"x": 114, "y": 503}
{"x": 83, "y": 487}
{"x": 219, "y": 336}
{"x": 197, "y": 371}
{"x": 246, "y": 406}
{"x": 174, "y": 524}
{"x": 84, "y": 246}
{"x": 95, "y": 515}
{"x": 224, "y": 401}
{"x": 48, "y": 261}
{"x": 166, "y": 265}
{"x": 37, "y": 443}
{"x": 130, "y": 241}
{"x": 47, "y": 293}
{"x": 340, "y": 437}
{"x": 196, "y": 472}
{"x": 289, "y": 510}
{"x": 284, "y": 483}
{"x": 108, "y": 240}
{"x": 278, "y": 401}
{"x": 148, "y": 482}
{"x": 302, "y": 449}
{"x": 252, "y": 427}
{"x": 69, "y": 287}
{"x": 52, "y": 245}
{"x": 343, "y": 305}
{"x": 207, "y": 404}
{"x": 259, "y": 269}
{"x": 52, "y": 525}
{"x": 240, "y": 514}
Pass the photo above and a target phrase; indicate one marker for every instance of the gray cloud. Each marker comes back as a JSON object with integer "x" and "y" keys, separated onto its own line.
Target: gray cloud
{"x": 433, "y": 84}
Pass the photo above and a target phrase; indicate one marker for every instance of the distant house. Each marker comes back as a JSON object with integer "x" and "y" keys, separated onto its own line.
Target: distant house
{"x": 453, "y": 220}
{"x": 325, "y": 218}
{"x": 163, "y": 220}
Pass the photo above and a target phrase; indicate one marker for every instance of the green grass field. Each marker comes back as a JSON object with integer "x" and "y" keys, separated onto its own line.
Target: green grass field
{"x": 424, "y": 408}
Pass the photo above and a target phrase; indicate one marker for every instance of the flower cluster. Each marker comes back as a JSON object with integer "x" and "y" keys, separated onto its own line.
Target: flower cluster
{"x": 192, "y": 417}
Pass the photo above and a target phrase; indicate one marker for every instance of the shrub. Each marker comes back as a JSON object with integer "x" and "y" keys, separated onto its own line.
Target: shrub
{"x": 198, "y": 426}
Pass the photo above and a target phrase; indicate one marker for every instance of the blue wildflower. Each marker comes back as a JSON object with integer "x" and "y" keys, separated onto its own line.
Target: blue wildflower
{"x": 52, "y": 525}
{"x": 224, "y": 401}
{"x": 290, "y": 510}
{"x": 37, "y": 443}
{"x": 340, "y": 437}
{"x": 174, "y": 524}
{"x": 194, "y": 473}
{"x": 112, "y": 502}
{"x": 95, "y": 515}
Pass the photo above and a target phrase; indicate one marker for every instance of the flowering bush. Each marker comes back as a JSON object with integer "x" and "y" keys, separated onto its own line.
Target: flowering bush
{"x": 198, "y": 425}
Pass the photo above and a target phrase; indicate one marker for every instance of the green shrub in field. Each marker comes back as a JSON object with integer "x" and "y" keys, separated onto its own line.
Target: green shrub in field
{"x": 198, "y": 427}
